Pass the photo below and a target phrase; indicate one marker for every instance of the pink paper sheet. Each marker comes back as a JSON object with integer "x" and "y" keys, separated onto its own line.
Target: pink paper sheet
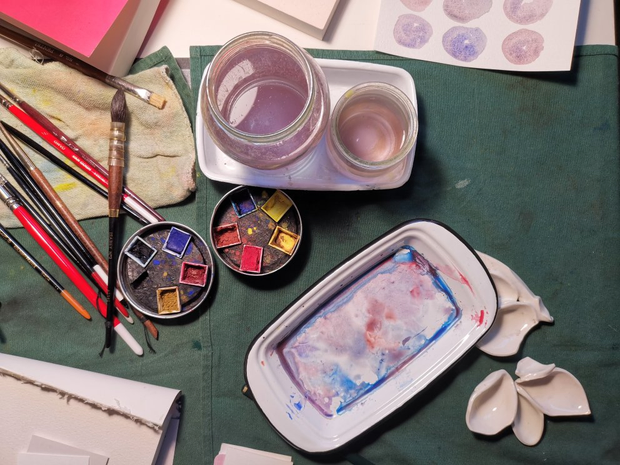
{"x": 78, "y": 24}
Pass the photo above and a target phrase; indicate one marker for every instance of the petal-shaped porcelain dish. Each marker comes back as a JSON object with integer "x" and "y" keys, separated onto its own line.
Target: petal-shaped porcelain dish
{"x": 519, "y": 311}
{"x": 492, "y": 406}
{"x": 529, "y": 423}
{"x": 558, "y": 393}
{"x": 316, "y": 423}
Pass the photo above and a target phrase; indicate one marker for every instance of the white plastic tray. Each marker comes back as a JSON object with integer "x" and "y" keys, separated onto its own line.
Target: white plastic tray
{"x": 289, "y": 410}
{"x": 315, "y": 172}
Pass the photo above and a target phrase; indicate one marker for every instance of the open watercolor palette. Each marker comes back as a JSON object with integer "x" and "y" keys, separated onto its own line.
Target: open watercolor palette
{"x": 370, "y": 335}
{"x": 255, "y": 231}
{"x": 165, "y": 270}
{"x": 316, "y": 171}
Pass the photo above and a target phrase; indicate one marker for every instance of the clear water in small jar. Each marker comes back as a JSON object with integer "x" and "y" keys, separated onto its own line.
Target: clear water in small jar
{"x": 371, "y": 129}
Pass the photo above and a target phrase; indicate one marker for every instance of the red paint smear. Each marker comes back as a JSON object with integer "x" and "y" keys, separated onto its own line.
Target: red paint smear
{"x": 478, "y": 318}
{"x": 262, "y": 362}
{"x": 463, "y": 280}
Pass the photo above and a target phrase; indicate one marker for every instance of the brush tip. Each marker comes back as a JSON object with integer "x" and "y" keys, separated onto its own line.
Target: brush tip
{"x": 118, "y": 109}
{"x": 157, "y": 101}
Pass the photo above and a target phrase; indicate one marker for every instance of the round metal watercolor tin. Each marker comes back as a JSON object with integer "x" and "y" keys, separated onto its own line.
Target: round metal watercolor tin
{"x": 165, "y": 270}
{"x": 255, "y": 231}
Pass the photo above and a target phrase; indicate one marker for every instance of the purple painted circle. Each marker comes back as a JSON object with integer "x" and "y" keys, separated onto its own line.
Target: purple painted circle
{"x": 416, "y": 5}
{"x": 523, "y": 47}
{"x": 464, "y": 43}
{"x": 526, "y": 11}
{"x": 411, "y": 31}
{"x": 464, "y": 11}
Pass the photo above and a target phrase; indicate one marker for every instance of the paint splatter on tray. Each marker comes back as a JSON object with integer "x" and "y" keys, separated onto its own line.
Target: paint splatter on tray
{"x": 369, "y": 331}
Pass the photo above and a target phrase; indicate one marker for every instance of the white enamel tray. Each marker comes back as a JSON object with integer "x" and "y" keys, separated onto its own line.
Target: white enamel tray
{"x": 291, "y": 412}
{"x": 315, "y": 172}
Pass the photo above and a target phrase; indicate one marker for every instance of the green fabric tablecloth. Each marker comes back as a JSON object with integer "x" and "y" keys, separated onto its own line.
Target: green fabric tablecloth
{"x": 525, "y": 167}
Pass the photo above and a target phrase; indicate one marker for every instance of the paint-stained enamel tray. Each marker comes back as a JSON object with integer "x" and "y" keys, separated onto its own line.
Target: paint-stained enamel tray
{"x": 370, "y": 335}
{"x": 316, "y": 171}
{"x": 165, "y": 270}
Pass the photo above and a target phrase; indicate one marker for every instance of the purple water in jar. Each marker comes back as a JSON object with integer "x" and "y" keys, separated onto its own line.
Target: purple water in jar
{"x": 266, "y": 101}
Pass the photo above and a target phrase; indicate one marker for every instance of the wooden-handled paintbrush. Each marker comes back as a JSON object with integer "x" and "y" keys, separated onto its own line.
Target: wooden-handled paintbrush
{"x": 116, "y": 162}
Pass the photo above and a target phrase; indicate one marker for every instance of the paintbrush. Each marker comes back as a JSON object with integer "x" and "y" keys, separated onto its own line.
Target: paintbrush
{"x": 51, "y": 127}
{"x": 57, "y": 206}
{"x": 71, "y": 155}
{"x": 116, "y": 164}
{"x": 39, "y": 235}
{"x": 67, "y": 169}
{"x": 21, "y": 250}
{"x": 143, "y": 94}
{"x": 54, "y": 224}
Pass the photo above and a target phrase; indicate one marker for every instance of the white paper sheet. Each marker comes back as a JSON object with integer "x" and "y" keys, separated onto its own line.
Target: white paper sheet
{"x": 516, "y": 35}
{"x": 113, "y": 417}
{"x": 41, "y": 445}
{"x": 26, "y": 458}
{"x": 238, "y": 455}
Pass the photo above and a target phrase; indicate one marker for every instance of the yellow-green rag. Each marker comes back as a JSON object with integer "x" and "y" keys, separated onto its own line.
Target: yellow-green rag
{"x": 159, "y": 151}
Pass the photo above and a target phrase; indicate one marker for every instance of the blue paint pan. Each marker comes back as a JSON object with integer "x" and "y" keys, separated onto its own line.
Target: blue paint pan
{"x": 177, "y": 242}
{"x": 243, "y": 202}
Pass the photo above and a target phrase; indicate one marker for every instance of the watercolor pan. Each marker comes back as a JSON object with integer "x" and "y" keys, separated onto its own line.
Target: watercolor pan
{"x": 177, "y": 242}
{"x": 315, "y": 172}
{"x": 284, "y": 240}
{"x": 319, "y": 412}
{"x": 194, "y": 274}
{"x": 226, "y": 235}
{"x": 140, "y": 251}
{"x": 251, "y": 258}
{"x": 277, "y": 205}
{"x": 168, "y": 300}
{"x": 165, "y": 270}
{"x": 254, "y": 229}
{"x": 242, "y": 202}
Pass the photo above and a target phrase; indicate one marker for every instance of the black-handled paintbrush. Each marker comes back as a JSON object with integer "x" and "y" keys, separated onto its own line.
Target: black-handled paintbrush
{"x": 116, "y": 163}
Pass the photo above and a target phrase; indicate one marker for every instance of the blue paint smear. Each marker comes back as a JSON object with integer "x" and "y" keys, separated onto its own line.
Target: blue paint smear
{"x": 298, "y": 405}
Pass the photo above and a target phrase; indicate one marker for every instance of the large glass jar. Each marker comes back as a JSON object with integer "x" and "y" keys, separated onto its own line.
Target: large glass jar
{"x": 266, "y": 101}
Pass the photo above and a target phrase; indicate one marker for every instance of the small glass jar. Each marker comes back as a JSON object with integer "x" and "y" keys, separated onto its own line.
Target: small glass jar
{"x": 266, "y": 101}
{"x": 373, "y": 128}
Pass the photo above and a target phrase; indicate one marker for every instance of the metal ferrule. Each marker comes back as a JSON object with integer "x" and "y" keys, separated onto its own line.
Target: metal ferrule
{"x": 117, "y": 144}
{"x": 7, "y": 196}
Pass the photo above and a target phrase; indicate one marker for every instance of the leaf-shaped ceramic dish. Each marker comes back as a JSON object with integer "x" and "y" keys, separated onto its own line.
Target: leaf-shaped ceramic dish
{"x": 370, "y": 335}
{"x": 529, "y": 423}
{"x": 492, "y": 406}
{"x": 519, "y": 311}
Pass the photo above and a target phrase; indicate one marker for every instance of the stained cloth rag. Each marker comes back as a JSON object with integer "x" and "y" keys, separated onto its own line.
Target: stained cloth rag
{"x": 159, "y": 156}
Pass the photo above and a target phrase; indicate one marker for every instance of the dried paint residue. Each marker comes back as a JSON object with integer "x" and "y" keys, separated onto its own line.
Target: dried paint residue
{"x": 168, "y": 300}
{"x": 194, "y": 274}
{"x": 523, "y": 47}
{"x": 464, "y": 11}
{"x": 464, "y": 43}
{"x": 226, "y": 235}
{"x": 284, "y": 240}
{"x": 251, "y": 259}
{"x": 277, "y": 205}
{"x": 526, "y": 12}
{"x": 412, "y": 31}
{"x": 369, "y": 331}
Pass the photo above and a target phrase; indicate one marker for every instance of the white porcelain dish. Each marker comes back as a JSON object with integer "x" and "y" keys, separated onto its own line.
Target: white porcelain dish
{"x": 294, "y": 414}
{"x": 316, "y": 171}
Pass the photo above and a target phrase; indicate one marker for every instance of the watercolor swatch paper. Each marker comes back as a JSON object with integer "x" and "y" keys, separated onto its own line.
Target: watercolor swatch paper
{"x": 514, "y": 35}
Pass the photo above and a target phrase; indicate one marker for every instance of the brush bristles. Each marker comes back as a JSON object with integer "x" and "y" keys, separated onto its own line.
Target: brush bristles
{"x": 118, "y": 108}
{"x": 157, "y": 101}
